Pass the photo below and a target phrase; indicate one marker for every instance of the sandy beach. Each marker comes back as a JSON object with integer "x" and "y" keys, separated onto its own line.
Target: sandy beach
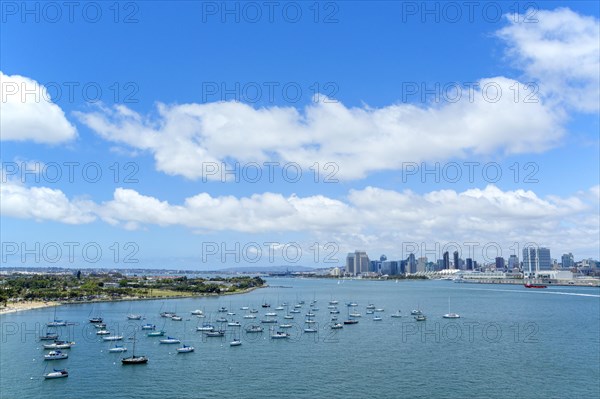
{"x": 25, "y": 305}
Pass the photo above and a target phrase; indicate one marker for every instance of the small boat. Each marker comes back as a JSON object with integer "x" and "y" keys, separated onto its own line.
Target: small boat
{"x": 268, "y": 321}
{"x": 530, "y": 285}
{"x": 355, "y": 314}
{"x": 118, "y": 349}
{"x": 294, "y": 311}
{"x": 141, "y": 359}
{"x": 309, "y": 314}
{"x": 266, "y": 305}
{"x": 218, "y": 333}
{"x": 377, "y": 318}
{"x": 415, "y": 312}
{"x": 337, "y": 326}
{"x": 370, "y": 312}
{"x": 96, "y": 320}
{"x": 231, "y": 313}
{"x": 235, "y": 342}
{"x": 156, "y": 333}
{"x": 197, "y": 312}
{"x": 223, "y": 309}
{"x": 271, "y": 314}
{"x": 113, "y": 338}
{"x": 370, "y": 306}
{"x": 288, "y": 317}
{"x": 310, "y": 330}
{"x": 56, "y": 323}
{"x": 55, "y": 355}
{"x": 148, "y": 327}
{"x": 297, "y": 306}
{"x": 254, "y": 329}
{"x": 333, "y": 302}
{"x": 100, "y": 326}
{"x": 221, "y": 320}
{"x": 59, "y": 345}
{"x": 185, "y": 349}
{"x": 49, "y": 337}
{"x": 379, "y": 310}
{"x": 280, "y": 335}
{"x": 396, "y": 315}
{"x": 168, "y": 315}
{"x": 279, "y": 308}
{"x": 420, "y": 317}
{"x": 205, "y": 327}
{"x": 102, "y": 332}
{"x": 176, "y": 318}
{"x": 334, "y": 311}
{"x": 450, "y": 315}
{"x": 353, "y": 304}
{"x": 285, "y": 326}
{"x": 351, "y": 321}
{"x": 170, "y": 340}
{"x": 244, "y": 308}
{"x": 253, "y": 310}
{"x": 249, "y": 316}
{"x": 57, "y": 374}
{"x": 134, "y": 317}
{"x": 309, "y": 321}
{"x": 234, "y": 324}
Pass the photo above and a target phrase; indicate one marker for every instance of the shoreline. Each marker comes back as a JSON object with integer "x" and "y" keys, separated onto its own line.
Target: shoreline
{"x": 32, "y": 305}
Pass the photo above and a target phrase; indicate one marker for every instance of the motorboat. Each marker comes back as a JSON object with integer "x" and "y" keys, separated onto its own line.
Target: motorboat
{"x": 57, "y": 374}
{"x": 56, "y": 355}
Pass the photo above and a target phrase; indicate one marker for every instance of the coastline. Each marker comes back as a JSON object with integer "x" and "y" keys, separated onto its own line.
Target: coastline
{"x": 31, "y": 305}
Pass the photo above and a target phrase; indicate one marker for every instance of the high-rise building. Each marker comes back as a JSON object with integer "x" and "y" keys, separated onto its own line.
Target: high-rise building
{"x": 446, "y": 260}
{"x": 357, "y": 263}
{"x": 568, "y": 261}
{"x": 422, "y": 264}
{"x": 412, "y": 264}
{"x": 389, "y": 267}
{"x": 456, "y": 260}
{"x": 440, "y": 265}
{"x": 513, "y": 262}
{"x": 499, "y": 263}
{"x": 469, "y": 264}
{"x": 536, "y": 259}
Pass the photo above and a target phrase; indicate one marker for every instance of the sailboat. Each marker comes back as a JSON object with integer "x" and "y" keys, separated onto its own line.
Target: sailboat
{"x": 133, "y": 316}
{"x": 451, "y": 315}
{"x": 236, "y": 341}
{"x": 57, "y": 374}
{"x": 350, "y": 319}
{"x": 134, "y": 359}
{"x": 117, "y": 349}
{"x": 94, "y": 319}
{"x": 55, "y": 322}
{"x": 185, "y": 348}
{"x": 310, "y": 327}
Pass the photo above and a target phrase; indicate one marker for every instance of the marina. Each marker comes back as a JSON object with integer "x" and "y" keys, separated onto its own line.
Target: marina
{"x": 244, "y": 352}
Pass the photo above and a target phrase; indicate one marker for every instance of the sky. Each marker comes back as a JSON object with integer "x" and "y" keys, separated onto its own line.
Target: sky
{"x": 204, "y": 135}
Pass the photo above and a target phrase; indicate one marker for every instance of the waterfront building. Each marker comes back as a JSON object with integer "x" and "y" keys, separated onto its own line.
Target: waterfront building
{"x": 536, "y": 259}
{"x": 499, "y": 263}
{"x": 357, "y": 263}
{"x": 568, "y": 261}
{"x": 513, "y": 262}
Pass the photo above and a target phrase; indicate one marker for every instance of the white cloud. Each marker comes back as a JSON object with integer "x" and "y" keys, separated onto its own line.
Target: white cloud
{"x": 29, "y": 114}
{"x": 371, "y": 218}
{"x": 183, "y": 138}
{"x": 43, "y": 203}
{"x": 561, "y": 51}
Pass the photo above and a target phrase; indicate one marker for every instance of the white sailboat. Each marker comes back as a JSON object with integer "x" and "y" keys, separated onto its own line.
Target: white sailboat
{"x": 451, "y": 315}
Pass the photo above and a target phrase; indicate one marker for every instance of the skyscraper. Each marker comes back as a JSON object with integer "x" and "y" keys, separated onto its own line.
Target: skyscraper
{"x": 446, "y": 260}
{"x": 536, "y": 259}
{"x": 513, "y": 262}
{"x": 469, "y": 264}
{"x": 357, "y": 263}
{"x": 456, "y": 260}
{"x": 568, "y": 261}
{"x": 499, "y": 263}
{"x": 412, "y": 264}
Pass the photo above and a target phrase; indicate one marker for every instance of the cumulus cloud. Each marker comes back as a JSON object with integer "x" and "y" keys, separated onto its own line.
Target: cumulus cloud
{"x": 367, "y": 218}
{"x": 29, "y": 114}
{"x": 43, "y": 203}
{"x": 184, "y": 138}
{"x": 561, "y": 51}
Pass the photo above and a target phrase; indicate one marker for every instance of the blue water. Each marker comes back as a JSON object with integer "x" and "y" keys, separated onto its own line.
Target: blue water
{"x": 510, "y": 342}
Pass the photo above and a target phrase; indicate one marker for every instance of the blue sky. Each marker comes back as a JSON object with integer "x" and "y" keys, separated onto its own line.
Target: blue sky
{"x": 185, "y": 85}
